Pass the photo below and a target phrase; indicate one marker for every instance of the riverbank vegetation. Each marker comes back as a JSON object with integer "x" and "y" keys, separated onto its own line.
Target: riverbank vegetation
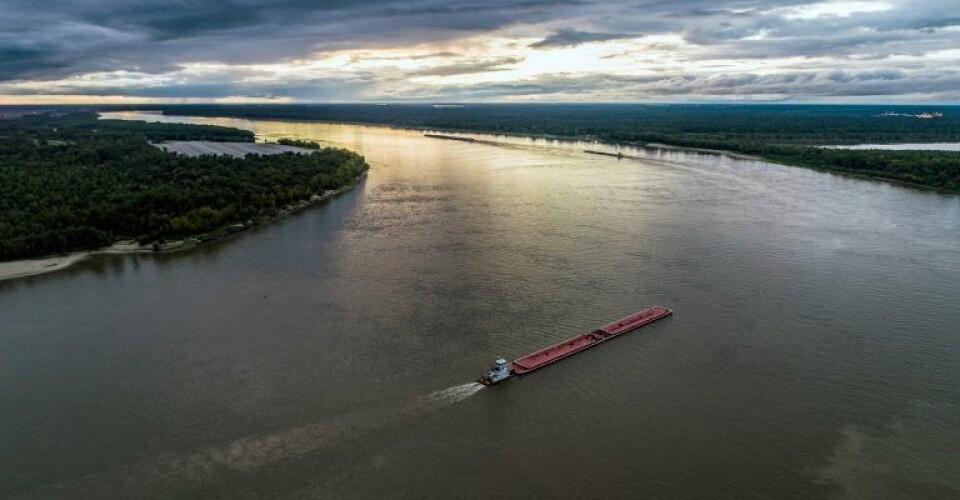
{"x": 782, "y": 133}
{"x": 298, "y": 143}
{"x": 73, "y": 182}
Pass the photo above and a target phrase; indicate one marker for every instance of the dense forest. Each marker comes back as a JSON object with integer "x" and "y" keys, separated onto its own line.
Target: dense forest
{"x": 793, "y": 124}
{"x": 782, "y": 133}
{"x": 73, "y": 182}
{"x": 298, "y": 143}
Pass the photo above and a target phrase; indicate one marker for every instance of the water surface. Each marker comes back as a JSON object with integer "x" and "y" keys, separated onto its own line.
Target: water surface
{"x": 813, "y": 353}
{"x": 924, "y": 146}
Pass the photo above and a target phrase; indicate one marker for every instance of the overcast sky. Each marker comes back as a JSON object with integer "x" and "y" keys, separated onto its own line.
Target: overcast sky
{"x": 493, "y": 50}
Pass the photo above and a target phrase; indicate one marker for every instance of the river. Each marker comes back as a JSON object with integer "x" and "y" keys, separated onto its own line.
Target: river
{"x": 813, "y": 353}
{"x": 930, "y": 146}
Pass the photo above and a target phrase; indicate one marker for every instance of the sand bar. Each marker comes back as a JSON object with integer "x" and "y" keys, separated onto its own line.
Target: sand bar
{"x": 30, "y": 267}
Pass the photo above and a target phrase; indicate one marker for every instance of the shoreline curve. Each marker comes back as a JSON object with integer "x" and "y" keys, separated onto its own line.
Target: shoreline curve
{"x": 23, "y": 268}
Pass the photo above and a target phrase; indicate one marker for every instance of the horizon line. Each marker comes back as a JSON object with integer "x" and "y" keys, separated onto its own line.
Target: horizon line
{"x": 492, "y": 103}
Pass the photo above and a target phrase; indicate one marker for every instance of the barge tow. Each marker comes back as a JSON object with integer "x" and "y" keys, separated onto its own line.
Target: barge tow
{"x": 502, "y": 370}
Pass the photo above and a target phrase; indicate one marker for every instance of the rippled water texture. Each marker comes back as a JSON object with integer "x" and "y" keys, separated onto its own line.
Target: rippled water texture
{"x": 813, "y": 354}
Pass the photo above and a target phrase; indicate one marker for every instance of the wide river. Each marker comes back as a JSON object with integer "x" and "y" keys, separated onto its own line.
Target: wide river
{"x": 815, "y": 350}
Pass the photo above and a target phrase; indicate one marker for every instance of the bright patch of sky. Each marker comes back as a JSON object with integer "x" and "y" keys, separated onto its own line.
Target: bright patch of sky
{"x": 836, "y": 9}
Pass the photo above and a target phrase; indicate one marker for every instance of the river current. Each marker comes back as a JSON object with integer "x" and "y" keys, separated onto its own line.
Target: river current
{"x": 813, "y": 354}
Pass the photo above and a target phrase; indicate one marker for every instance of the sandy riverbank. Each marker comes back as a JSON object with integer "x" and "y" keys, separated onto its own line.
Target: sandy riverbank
{"x": 32, "y": 267}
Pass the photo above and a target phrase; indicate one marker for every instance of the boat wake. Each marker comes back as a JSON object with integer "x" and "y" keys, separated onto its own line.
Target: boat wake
{"x": 456, "y": 393}
{"x": 169, "y": 471}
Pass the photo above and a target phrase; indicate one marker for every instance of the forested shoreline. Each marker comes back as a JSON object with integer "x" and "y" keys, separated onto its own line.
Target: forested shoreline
{"x": 72, "y": 182}
{"x": 785, "y": 134}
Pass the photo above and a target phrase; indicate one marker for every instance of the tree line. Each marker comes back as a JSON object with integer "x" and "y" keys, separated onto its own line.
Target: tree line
{"x": 73, "y": 182}
{"x": 783, "y": 133}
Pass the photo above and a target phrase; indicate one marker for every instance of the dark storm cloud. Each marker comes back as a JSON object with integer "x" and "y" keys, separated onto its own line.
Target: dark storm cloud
{"x": 68, "y": 37}
{"x": 571, "y": 38}
{"x": 56, "y": 39}
{"x": 826, "y": 84}
{"x": 780, "y": 33}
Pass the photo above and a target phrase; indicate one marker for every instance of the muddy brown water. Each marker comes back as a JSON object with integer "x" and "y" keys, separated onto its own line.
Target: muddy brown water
{"x": 813, "y": 354}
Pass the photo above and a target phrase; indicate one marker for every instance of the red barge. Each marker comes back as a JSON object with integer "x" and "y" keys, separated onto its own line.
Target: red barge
{"x": 502, "y": 370}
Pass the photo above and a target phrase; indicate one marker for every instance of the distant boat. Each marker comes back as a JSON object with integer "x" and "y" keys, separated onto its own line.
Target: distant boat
{"x": 450, "y": 137}
{"x": 923, "y": 116}
{"x": 604, "y": 153}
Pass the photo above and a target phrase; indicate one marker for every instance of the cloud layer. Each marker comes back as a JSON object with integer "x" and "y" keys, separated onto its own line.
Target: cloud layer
{"x": 551, "y": 50}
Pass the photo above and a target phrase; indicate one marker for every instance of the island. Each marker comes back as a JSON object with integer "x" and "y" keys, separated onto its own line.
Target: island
{"x": 71, "y": 184}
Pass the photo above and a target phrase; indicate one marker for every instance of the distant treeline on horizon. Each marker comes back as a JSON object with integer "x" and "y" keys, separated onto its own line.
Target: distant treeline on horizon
{"x": 784, "y": 133}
